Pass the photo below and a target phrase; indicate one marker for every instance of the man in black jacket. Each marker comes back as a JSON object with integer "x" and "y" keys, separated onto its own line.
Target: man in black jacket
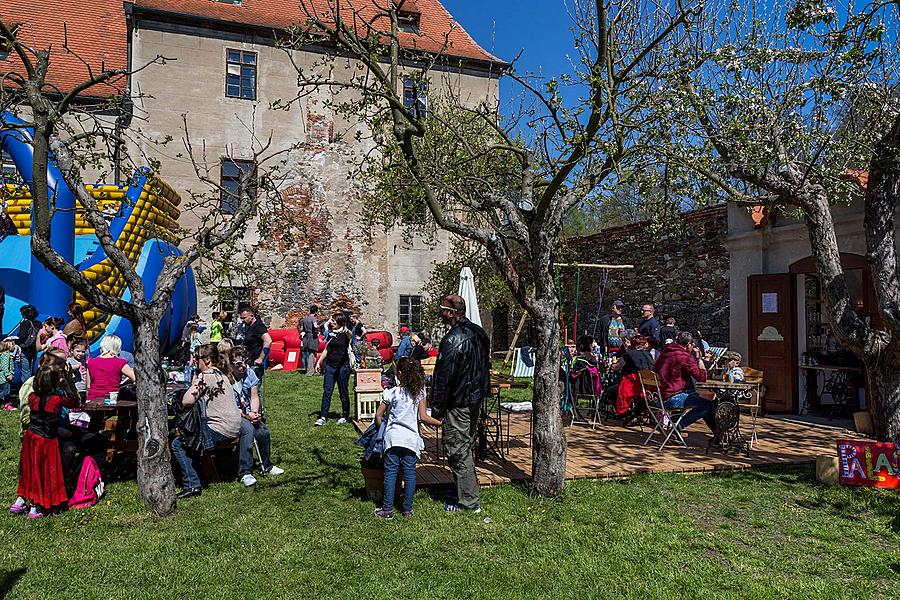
{"x": 650, "y": 325}
{"x": 461, "y": 381}
{"x": 611, "y": 328}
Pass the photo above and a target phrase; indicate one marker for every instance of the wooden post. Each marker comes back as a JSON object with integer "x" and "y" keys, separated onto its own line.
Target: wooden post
{"x": 515, "y": 339}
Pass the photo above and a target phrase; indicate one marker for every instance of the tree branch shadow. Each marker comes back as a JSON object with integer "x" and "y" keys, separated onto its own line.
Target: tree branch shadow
{"x": 9, "y": 581}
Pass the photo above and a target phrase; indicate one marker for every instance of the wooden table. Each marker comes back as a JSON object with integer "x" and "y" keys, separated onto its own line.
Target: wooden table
{"x": 120, "y": 431}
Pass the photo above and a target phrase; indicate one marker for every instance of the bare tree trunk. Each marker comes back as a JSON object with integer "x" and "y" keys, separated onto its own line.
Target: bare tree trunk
{"x": 156, "y": 482}
{"x": 549, "y": 443}
{"x": 884, "y": 393}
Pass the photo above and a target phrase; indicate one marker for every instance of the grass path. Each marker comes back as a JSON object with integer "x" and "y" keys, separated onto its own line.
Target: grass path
{"x": 309, "y": 533}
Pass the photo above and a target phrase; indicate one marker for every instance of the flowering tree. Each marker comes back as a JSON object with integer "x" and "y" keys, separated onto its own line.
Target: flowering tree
{"x": 785, "y": 106}
{"x": 503, "y": 183}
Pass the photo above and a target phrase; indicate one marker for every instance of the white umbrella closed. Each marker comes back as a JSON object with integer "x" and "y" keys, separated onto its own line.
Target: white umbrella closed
{"x": 467, "y": 291}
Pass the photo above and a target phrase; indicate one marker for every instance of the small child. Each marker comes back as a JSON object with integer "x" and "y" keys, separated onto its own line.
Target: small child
{"x": 41, "y": 479}
{"x": 78, "y": 363}
{"x": 402, "y": 443}
{"x": 733, "y": 370}
{"x": 7, "y": 367}
{"x": 193, "y": 344}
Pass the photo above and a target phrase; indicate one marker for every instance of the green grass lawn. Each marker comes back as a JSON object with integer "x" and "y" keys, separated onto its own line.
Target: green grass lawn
{"x": 310, "y": 533}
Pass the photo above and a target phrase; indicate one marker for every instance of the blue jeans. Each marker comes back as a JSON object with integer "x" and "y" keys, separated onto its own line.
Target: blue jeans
{"x": 393, "y": 459}
{"x": 341, "y": 376}
{"x": 260, "y": 434}
{"x": 4, "y": 389}
{"x": 309, "y": 361}
{"x": 189, "y": 478}
{"x": 701, "y": 408}
{"x": 24, "y": 364}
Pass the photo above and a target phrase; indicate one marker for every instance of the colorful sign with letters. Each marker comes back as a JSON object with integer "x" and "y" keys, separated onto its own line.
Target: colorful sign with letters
{"x": 873, "y": 464}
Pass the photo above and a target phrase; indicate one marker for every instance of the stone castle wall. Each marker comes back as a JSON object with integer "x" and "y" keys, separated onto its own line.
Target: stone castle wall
{"x": 684, "y": 271}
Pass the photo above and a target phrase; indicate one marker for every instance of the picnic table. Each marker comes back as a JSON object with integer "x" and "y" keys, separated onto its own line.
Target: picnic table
{"x": 117, "y": 422}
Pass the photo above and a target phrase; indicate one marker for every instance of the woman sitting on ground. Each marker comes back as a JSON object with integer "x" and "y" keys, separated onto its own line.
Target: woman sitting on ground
{"x": 106, "y": 371}
{"x": 51, "y": 336}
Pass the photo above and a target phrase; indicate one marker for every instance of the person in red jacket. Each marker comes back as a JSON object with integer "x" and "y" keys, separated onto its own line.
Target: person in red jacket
{"x": 678, "y": 366}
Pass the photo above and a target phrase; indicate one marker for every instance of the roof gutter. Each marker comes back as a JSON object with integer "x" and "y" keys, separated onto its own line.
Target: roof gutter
{"x": 272, "y": 32}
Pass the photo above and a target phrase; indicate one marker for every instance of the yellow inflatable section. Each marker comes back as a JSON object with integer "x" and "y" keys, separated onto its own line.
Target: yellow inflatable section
{"x": 154, "y": 215}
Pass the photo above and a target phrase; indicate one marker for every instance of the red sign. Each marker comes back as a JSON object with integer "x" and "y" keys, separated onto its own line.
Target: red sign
{"x": 873, "y": 464}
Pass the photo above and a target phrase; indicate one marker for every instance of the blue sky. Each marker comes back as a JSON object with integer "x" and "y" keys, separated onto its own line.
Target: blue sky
{"x": 506, "y": 27}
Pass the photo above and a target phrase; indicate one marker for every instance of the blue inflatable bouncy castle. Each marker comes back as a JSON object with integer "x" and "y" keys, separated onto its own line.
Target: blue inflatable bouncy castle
{"x": 143, "y": 220}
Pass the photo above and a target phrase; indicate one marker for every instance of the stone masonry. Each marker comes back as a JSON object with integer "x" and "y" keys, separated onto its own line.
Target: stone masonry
{"x": 684, "y": 271}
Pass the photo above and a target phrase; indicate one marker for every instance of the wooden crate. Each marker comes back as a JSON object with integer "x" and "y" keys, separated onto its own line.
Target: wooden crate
{"x": 367, "y": 404}
{"x": 368, "y": 380}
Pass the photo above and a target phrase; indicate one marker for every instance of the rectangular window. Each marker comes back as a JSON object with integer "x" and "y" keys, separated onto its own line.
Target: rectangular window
{"x": 408, "y": 22}
{"x": 4, "y": 54}
{"x": 238, "y": 182}
{"x": 411, "y": 312}
{"x": 415, "y": 97}
{"x": 240, "y": 75}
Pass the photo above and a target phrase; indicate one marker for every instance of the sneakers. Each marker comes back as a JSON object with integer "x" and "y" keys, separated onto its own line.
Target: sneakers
{"x": 9, "y": 406}
{"x": 341, "y": 421}
{"x": 406, "y": 513}
{"x": 387, "y": 515}
{"x": 35, "y": 513}
{"x": 273, "y": 470}
{"x": 248, "y": 480}
{"x": 319, "y": 422}
{"x": 18, "y": 507}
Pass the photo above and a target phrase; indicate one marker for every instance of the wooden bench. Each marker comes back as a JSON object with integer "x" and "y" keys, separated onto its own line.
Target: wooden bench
{"x": 208, "y": 463}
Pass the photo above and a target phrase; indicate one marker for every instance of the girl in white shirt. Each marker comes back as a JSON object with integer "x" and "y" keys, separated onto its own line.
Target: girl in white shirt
{"x": 402, "y": 443}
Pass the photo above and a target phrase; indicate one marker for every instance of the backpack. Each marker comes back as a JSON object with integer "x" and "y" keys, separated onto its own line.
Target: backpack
{"x": 30, "y": 339}
{"x": 90, "y": 485}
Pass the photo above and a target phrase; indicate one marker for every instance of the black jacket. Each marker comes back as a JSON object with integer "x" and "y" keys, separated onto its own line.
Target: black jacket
{"x": 603, "y": 330}
{"x": 650, "y": 327}
{"x": 462, "y": 373}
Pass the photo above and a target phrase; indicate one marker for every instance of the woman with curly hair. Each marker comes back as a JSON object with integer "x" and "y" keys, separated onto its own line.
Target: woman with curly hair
{"x": 402, "y": 443}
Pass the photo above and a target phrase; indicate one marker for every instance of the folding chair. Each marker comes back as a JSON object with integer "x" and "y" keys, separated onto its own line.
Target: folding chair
{"x": 584, "y": 385}
{"x": 755, "y": 378}
{"x": 665, "y": 420}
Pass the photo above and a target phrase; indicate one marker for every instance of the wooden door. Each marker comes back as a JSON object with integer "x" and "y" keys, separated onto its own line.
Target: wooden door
{"x": 772, "y": 306}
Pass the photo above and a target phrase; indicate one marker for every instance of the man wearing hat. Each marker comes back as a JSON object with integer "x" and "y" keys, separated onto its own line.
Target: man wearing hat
{"x": 405, "y": 346}
{"x": 611, "y": 328}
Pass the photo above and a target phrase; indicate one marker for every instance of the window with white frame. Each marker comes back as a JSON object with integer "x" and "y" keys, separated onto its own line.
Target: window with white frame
{"x": 415, "y": 97}
{"x": 411, "y": 312}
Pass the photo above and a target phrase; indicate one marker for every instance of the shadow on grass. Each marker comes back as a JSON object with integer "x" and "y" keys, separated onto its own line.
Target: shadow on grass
{"x": 846, "y": 502}
{"x": 9, "y": 581}
{"x": 331, "y": 475}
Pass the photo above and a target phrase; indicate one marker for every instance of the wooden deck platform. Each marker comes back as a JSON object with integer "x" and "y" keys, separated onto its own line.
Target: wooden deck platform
{"x": 612, "y": 451}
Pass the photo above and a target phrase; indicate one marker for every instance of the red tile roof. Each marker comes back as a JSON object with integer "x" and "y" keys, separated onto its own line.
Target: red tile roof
{"x": 96, "y": 32}
{"x": 434, "y": 24}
